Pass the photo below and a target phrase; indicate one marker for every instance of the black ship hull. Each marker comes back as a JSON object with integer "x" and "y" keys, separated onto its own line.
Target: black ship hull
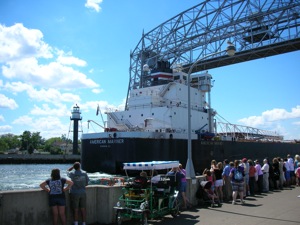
{"x": 107, "y": 154}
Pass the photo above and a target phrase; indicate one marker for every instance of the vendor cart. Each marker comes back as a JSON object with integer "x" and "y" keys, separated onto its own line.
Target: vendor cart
{"x": 148, "y": 201}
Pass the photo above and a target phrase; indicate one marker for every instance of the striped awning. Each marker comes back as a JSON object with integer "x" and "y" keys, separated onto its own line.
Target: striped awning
{"x": 153, "y": 165}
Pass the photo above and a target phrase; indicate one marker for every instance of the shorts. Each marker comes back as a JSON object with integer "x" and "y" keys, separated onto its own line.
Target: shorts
{"x": 57, "y": 201}
{"x": 287, "y": 175}
{"x": 78, "y": 201}
{"x": 237, "y": 186}
{"x": 182, "y": 187}
{"x": 219, "y": 183}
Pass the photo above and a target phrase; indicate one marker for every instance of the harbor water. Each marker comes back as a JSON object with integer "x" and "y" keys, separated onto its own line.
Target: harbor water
{"x": 29, "y": 176}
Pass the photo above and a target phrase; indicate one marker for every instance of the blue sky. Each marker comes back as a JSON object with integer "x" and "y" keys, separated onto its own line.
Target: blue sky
{"x": 55, "y": 54}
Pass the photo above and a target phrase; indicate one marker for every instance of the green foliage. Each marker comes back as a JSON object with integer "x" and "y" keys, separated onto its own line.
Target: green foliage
{"x": 3, "y": 145}
{"x": 30, "y": 141}
{"x": 9, "y": 141}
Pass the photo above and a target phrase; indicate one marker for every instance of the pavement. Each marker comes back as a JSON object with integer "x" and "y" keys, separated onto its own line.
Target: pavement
{"x": 272, "y": 208}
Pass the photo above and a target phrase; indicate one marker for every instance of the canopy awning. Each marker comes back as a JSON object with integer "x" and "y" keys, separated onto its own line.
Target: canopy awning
{"x": 153, "y": 165}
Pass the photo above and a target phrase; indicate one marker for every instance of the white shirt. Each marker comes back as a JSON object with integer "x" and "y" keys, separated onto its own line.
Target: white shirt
{"x": 265, "y": 168}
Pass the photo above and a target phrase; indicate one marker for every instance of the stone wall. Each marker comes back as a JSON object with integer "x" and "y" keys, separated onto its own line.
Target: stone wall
{"x": 30, "y": 207}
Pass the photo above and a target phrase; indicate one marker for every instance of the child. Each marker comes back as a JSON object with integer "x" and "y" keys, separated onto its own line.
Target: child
{"x": 209, "y": 177}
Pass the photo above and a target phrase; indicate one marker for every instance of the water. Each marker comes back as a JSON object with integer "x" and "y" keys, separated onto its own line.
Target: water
{"x": 29, "y": 176}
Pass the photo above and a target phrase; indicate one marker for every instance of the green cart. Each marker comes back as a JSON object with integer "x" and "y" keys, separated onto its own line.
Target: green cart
{"x": 148, "y": 201}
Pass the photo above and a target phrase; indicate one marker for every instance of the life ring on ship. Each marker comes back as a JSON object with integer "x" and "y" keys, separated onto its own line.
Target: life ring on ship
{"x": 111, "y": 181}
{"x": 107, "y": 181}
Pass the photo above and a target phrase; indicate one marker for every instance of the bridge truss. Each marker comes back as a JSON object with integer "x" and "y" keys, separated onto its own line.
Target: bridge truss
{"x": 246, "y": 132}
{"x": 257, "y": 28}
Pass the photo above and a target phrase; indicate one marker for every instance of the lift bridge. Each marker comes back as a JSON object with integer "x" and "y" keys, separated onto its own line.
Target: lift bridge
{"x": 257, "y": 28}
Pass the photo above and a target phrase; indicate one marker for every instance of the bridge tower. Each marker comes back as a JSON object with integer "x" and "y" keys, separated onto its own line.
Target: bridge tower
{"x": 75, "y": 118}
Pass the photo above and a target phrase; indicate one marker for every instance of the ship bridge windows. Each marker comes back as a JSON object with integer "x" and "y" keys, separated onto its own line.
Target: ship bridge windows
{"x": 181, "y": 78}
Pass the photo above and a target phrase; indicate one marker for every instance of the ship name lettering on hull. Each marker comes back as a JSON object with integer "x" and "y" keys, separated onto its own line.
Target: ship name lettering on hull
{"x": 107, "y": 141}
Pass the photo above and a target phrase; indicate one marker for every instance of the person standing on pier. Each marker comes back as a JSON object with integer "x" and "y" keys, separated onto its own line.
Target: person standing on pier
{"x": 78, "y": 191}
{"x": 265, "y": 170}
{"x": 237, "y": 182}
{"x": 226, "y": 180}
{"x": 55, "y": 186}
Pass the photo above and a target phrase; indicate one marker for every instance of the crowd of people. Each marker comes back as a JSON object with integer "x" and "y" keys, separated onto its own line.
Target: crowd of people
{"x": 245, "y": 177}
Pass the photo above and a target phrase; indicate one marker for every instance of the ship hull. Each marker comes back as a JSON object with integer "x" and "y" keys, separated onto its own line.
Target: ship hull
{"x": 108, "y": 154}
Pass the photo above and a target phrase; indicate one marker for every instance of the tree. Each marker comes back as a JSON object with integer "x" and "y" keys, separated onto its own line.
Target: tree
{"x": 3, "y": 145}
{"x": 30, "y": 141}
{"x": 11, "y": 142}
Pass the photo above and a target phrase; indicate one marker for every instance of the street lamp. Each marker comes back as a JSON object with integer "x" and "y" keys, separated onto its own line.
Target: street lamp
{"x": 190, "y": 172}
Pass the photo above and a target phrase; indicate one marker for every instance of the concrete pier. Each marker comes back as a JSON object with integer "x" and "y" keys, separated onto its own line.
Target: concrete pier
{"x": 30, "y": 207}
{"x": 272, "y": 208}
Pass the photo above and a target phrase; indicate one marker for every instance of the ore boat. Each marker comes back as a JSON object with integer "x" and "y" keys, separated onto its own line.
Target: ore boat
{"x": 153, "y": 127}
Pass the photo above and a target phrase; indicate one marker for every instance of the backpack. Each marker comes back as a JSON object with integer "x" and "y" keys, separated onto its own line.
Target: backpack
{"x": 238, "y": 175}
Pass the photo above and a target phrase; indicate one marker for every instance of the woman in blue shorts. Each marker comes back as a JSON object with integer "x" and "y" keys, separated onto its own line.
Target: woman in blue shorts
{"x": 55, "y": 187}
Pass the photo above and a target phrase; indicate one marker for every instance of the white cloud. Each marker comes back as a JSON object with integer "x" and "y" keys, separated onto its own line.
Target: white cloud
{"x": 18, "y": 42}
{"x": 23, "y": 120}
{"x": 6, "y": 102}
{"x": 16, "y": 87}
{"x": 271, "y": 116}
{"x": 70, "y": 60}
{"x": 45, "y": 110}
{"x": 93, "y": 4}
{"x": 97, "y": 91}
{"x": 5, "y": 129}
{"x": 49, "y": 126}
{"x": 53, "y": 74}
{"x": 20, "y": 50}
{"x": 2, "y": 118}
{"x": 51, "y": 95}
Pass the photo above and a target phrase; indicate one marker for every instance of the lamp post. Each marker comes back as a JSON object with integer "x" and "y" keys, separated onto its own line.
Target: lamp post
{"x": 190, "y": 172}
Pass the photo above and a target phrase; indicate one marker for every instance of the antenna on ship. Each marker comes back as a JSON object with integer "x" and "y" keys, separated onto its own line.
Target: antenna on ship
{"x": 75, "y": 117}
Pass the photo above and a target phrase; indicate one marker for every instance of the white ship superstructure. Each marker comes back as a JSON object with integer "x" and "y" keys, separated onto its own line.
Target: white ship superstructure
{"x": 162, "y": 108}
